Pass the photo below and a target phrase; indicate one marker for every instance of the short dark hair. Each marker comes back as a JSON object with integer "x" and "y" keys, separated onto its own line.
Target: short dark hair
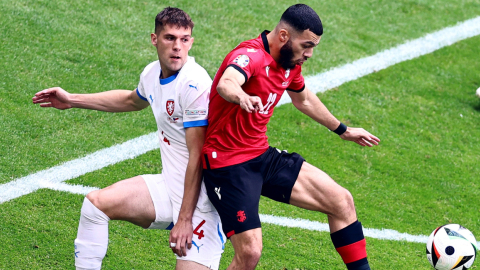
{"x": 172, "y": 16}
{"x": 302, "y": 17}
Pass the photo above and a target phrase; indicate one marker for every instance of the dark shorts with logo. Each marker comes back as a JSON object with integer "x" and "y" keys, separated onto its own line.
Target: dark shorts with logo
{"x": 235, "y": 190}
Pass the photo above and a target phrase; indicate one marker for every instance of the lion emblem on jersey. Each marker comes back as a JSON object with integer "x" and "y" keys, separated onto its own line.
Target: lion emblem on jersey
{"x": 241, "y": 216}
{"x": 170, "y": 106}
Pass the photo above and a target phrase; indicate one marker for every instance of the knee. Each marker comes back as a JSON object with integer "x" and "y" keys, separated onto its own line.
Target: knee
{"x": 253, "y": 253}
{"x": 94, "y": 198}
{"x": 250, "y": 255}
{"x": 345, "y": 202}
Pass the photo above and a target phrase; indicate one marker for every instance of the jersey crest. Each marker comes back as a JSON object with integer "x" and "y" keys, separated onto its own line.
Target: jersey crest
{"x": 170, "y": 106}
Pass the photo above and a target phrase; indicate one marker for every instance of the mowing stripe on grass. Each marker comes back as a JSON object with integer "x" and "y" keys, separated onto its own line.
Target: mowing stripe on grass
{"x": 407, "y": 51}
{"x": 383, "y": 234}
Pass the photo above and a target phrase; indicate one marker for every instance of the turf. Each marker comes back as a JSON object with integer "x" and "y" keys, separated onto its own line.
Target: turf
{"x": 424, "y": 173}
{"x": 93, "y": 46}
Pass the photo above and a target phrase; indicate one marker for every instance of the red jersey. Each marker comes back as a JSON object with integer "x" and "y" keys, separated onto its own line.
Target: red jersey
{"x": 234, "y": 135}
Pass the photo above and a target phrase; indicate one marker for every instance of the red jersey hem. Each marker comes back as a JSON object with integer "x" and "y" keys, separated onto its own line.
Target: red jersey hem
{"x": 228, "y": 158}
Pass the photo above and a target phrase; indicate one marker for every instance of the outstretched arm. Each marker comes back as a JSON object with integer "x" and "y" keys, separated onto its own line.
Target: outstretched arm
{"x": 182, "y": 232}
{"x": 110, "y": 101}
{"x": 308, "y": 103}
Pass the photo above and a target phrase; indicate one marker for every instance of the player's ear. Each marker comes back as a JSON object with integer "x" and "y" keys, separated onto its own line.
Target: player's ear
{"x": 154, "y": 39}
{"x": 284, "y": 35}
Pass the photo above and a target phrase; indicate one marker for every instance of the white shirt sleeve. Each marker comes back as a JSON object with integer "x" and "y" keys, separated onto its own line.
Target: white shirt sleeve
{"x": 195, "y": 104}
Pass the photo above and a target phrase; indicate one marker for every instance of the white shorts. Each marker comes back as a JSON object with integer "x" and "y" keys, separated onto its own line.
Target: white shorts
{"x": 208, "y": 239}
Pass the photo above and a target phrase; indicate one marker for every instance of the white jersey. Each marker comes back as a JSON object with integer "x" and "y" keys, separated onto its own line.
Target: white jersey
{"x": 178, "y": 102}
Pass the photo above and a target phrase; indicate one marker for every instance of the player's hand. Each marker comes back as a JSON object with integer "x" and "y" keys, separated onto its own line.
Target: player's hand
{"x": 251, "y": 103}
{"x": 181, "y": 234}
{"x": 53, "y": 97}
{"x": 360, "y": 136}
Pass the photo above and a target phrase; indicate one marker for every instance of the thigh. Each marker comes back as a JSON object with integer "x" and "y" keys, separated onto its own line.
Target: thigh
{"x": 235, "y": 193}
{"x": 281, "y": 170}
{"x": 190, "y": 265}
{"x": 315, "y": 190}
{"x": 161, "y": 201}
{"x": 208, "y": 241}
{"x": 126, "y": 200}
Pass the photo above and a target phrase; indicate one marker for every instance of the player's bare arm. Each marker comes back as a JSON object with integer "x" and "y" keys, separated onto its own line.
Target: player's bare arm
{"x": 109, "y": 101}
{"x": 308, "y": 103}
{"x": 230, "y": 88}
{"x": 182, "y": 232}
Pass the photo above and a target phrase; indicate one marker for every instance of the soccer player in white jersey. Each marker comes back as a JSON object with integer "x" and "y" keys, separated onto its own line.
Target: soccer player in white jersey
{"x": 178, "y": 90}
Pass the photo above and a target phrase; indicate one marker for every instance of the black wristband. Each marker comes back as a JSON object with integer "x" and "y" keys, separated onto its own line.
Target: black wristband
{"x": 341, "y": 129}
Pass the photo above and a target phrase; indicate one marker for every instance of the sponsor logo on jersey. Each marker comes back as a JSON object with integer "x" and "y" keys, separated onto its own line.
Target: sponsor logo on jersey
{"x": 192, "y": 86}
{"x": 173, "y": 119}
{"x": 196, "y": 112}
{"x": 241, "y": 217}
{"x": 287, "y": 73}
{"x": 251, "y": 50}
{"x": 242, "y": 60}
{"x": 267, "y": 68}
{"x": 286, "y": 83}
{"x": 151, "y": 98}
{"x": 170, "y": 106}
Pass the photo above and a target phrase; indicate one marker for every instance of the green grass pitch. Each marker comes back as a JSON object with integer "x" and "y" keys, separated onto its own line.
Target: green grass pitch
{"x": 425, "y": 173}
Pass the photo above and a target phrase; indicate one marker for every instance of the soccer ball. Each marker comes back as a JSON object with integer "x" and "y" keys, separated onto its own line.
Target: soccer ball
{"x": 478, "y": 92}
{"x": 451, "y": 247}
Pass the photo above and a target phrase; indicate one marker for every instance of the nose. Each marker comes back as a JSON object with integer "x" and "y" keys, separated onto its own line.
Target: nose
{"x": 308, "y": 53}
{"x": 177, "y": 45}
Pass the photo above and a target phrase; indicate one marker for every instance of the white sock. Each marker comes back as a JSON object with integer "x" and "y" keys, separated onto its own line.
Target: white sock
{"x": 92, "y": 237}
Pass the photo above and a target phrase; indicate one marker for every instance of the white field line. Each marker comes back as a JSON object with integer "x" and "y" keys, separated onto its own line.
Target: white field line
{"x": 383, "y": 234}
{"x": 323, "y": 227}
{"x": 409, "y": 50}
{"x": 54, "y": 177}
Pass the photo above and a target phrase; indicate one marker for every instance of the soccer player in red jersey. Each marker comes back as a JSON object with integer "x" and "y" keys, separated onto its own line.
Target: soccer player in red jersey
{"x": 239, "y": 165}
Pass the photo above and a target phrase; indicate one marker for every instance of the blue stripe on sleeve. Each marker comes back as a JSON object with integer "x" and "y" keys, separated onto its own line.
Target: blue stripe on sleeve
{"x": 138, "y": 93}
{"x": 199, "y": 123}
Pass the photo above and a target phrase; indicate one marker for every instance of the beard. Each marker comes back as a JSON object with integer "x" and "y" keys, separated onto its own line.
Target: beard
{"x": 286, "y": 56}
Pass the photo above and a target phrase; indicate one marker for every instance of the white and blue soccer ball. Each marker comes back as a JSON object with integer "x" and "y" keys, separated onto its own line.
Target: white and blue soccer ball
{"x": 478, "y": 92}
{"x": 451, "y": 247}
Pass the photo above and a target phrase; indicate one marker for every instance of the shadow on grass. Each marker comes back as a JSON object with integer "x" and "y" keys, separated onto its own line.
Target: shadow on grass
{"x": 477, "y": 107}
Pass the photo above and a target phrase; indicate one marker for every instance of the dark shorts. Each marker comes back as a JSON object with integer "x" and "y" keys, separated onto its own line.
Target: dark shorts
{"x": 235, "y": 190}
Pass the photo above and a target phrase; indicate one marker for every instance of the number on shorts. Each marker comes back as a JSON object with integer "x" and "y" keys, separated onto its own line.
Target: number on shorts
{"x": 199, "y": 233}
